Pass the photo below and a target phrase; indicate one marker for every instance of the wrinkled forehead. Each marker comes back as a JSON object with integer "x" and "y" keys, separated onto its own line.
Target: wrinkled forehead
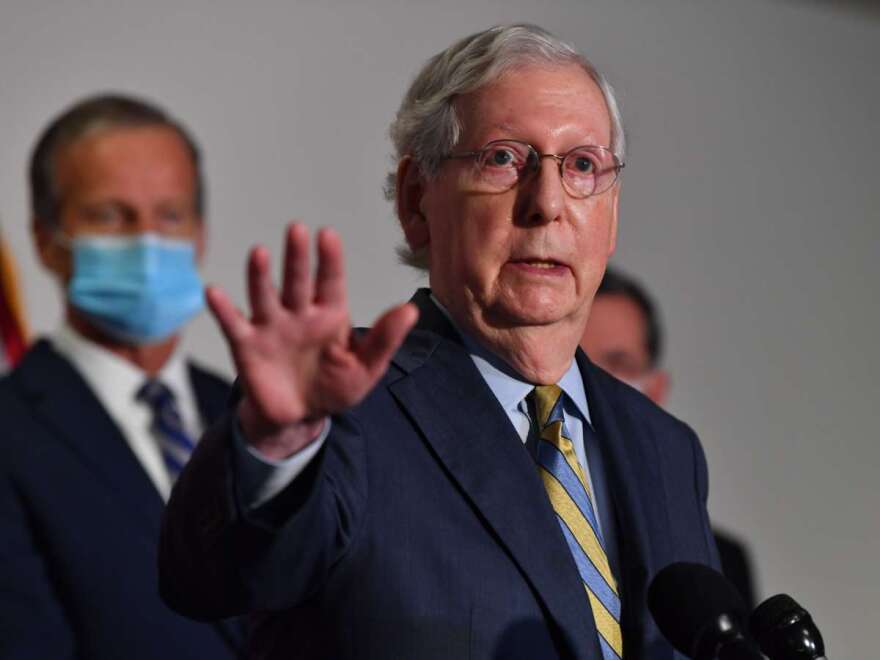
{"x": 538, "y": 101}
{"x": 131, "y": 164}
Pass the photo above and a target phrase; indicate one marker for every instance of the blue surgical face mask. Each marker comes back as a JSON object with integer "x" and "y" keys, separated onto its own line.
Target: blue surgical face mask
{"x": 140, "y": 289}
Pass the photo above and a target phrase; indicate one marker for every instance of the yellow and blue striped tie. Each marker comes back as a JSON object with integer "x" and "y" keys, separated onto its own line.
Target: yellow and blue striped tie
{"x": 570, "y": 496}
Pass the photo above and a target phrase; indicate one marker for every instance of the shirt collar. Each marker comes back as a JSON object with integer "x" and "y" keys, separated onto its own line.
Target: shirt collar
{"x": 111, "y": 377}
{"x": 506, "y": 384}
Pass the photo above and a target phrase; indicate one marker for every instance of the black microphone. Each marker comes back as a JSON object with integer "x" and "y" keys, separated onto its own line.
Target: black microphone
{"x": 700, "y": 613}
{"x": 785, "y": 630}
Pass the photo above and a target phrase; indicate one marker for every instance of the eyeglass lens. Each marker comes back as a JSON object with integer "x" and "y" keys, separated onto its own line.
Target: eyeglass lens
{"x": 586, "y": 170}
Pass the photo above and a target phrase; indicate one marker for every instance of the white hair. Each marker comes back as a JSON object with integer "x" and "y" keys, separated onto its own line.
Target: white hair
{"x": 426, "y": 126}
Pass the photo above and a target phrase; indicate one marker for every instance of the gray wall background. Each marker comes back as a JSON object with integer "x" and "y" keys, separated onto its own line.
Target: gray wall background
{"x": 750, "y": 207}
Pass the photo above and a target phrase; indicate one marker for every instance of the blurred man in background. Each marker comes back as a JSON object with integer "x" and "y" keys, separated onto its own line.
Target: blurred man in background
{"x": 99, "y": 418}
{"x": 624, "y": 336}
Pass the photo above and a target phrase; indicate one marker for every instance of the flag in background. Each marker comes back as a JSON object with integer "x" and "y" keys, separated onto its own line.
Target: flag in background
{"x": 13, "y": 330}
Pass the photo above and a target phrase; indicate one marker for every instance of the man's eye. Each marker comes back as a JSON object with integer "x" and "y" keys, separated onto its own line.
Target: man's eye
{"x": 104, "y": 215}
{"x": 501, "y": 158}
{"x": 584, "y": 164}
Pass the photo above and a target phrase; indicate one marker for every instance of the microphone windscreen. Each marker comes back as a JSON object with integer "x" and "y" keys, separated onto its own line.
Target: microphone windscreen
{"x": 784, "y": 629}
{"x": 686, "y": 598}
{"x": 772, "y": 612}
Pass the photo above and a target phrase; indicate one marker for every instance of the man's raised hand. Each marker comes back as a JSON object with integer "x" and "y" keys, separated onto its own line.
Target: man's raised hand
{"x": 296, "y": 358}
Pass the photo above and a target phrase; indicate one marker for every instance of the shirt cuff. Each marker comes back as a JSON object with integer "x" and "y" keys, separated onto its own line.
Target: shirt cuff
{"x": 261, "y": 478}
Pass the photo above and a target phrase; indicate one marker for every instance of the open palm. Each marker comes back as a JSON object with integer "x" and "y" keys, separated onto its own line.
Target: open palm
{"x": 296, "y": 356}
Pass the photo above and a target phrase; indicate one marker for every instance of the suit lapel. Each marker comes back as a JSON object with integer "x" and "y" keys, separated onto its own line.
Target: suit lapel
{"x": 63, "y": 400}
{"x": 473, "y": 439}
{"x": 630, "y": 462}
{"x": 212, "y": 394}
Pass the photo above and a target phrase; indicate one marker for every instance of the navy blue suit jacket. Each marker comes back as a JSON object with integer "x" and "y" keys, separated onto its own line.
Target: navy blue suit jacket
{"x": 423, "y": 530}
{"x": 79, "y": 524}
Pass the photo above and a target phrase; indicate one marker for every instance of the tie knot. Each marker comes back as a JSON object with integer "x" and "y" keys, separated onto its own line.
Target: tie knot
{"x": 548, "y": 404}
{"x": 155, "y": 394}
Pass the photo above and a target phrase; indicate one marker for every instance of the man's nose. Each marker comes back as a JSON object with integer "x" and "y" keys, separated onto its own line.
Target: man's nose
{"x": 546, "y": 193}
{"x": 144, "y": 221}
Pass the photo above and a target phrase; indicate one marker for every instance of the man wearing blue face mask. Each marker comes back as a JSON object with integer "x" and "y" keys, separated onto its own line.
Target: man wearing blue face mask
{"x": 100, "y": 418}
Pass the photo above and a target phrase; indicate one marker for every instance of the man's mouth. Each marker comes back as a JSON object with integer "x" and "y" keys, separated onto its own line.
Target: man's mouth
{"x": 539, "y": 263}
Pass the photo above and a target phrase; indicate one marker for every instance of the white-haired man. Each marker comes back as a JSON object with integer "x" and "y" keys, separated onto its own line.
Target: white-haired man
{"x": 467, "y": 485}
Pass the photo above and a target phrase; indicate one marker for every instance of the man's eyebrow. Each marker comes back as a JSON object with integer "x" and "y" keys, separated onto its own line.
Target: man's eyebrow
{"x": 103, "y": 202}
{"x": 620, "y": 356}
{"x": 589, "y": 136}
{"x": 502, "y": 128}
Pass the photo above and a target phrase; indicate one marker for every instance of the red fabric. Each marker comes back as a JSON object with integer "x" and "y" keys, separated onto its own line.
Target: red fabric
{"x": 13, "y": 339}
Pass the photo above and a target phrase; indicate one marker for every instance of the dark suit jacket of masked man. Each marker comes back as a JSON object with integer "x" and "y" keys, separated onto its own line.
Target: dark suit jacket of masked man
{"x": 79, "y": 519}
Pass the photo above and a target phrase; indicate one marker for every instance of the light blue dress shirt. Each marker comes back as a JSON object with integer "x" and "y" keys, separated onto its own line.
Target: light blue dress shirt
{"x": 511, "y": 392}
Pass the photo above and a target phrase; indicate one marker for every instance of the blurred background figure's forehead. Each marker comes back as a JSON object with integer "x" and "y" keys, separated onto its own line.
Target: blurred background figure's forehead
{"x": 749, "y": 208}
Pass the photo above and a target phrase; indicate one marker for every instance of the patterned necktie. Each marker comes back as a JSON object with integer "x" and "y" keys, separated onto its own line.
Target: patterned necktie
{"x": 167, "y": 425}
{"x": 571, "y": 499}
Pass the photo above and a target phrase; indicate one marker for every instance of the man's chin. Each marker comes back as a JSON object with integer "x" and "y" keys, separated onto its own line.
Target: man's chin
{"x": 513, "y": 316}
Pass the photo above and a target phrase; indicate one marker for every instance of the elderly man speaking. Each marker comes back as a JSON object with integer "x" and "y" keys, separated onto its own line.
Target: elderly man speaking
{"x": 464, "y": 485}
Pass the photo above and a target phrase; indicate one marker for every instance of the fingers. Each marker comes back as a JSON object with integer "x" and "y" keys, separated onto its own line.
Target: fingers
{"x": 296, "y": 290}
{"x": 232, "y": 322}
{"x": 330, "y": 280}
{"x": 386, "y": 336}
{"x": 329, "y": 287}
{"x": 261, "y": 291}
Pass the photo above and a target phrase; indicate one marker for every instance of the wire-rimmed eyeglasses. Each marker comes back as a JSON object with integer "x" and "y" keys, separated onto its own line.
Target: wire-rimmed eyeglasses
{"x": 585, "y": 170}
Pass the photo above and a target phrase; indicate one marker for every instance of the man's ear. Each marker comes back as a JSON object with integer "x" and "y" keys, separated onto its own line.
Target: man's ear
{"x": 615, "y": 199}
{"x": 410, "y": 189}
{"x": 200, "y": 240}
{"x": 54, "y": 256}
